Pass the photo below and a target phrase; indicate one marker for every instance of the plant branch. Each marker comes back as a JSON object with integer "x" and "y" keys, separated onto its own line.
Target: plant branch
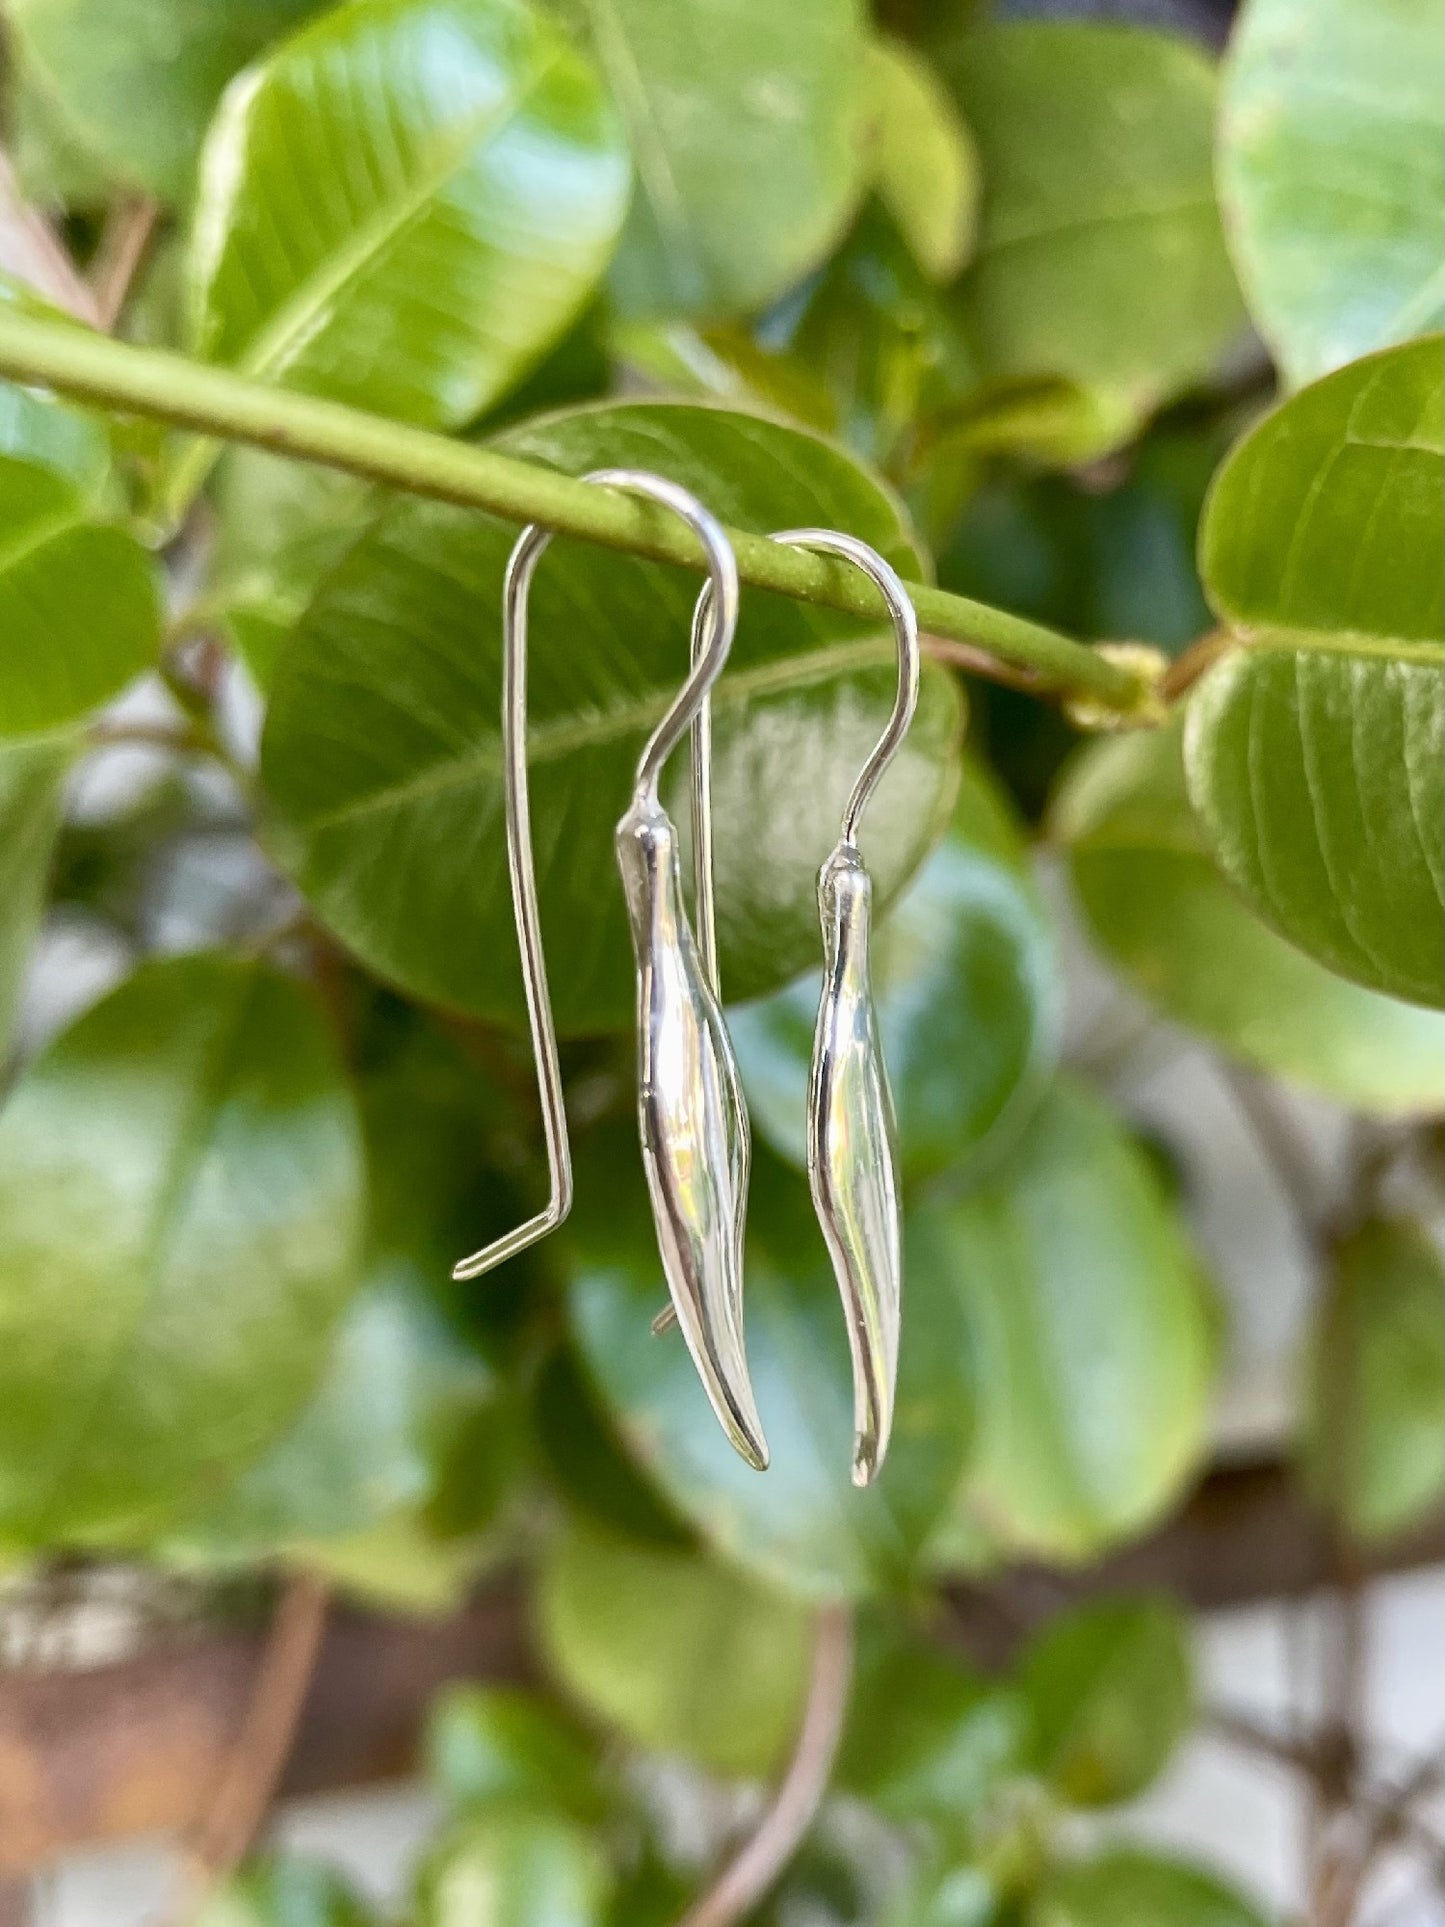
{"x": 123, "y": 243}
{"x": 753, "y": 1870}
{"x": 168, "y": 387}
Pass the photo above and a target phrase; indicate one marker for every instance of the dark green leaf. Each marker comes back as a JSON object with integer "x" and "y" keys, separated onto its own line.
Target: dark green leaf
{"x": 677, "y": 1654}
{"x": 803, "y": 1527}
{"x": 1331, "y": 130}
{"x": 131, "y": 84}
{"x": 404, "y": 204}
{"x": 586, "y": 1458}
{"x": 746, "y": 123}
{"x": 180, "y": 1202}
{"x": 926, "y": 167}
{"x": 79, "y": 605}
{"x": 514, "y": 1866}
{"x": 1163, "y": 913}
{"x": 32, "y": 780}
{"x": 1109, "y": 1696}
{"x": 381, "y": 756}
{"x": 1129, "y": 1889}
{"x": 968, "y": 1002}
{"x": 1100, "y": 256}
{"x": 280, "y": 1890}
{"x": 1093, "y": 1340}
{"x": 490, "y": 1743}
{"x": 1374, "y": 1421}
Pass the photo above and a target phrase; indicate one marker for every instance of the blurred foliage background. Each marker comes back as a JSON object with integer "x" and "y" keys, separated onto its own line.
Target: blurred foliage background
{"x": 1050, "y": 307}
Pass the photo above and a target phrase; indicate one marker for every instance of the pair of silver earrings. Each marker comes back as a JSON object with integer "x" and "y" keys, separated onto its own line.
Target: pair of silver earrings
{"x": 692, "y": 1119}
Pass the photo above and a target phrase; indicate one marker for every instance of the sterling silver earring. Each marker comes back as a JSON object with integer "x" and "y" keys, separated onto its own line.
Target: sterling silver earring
{"x": 852, "y": 1139}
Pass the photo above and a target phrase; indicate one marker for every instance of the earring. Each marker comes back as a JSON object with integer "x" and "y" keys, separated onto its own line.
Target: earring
{"x": 691, "y": 1117}
{"x": 852, "y": 1137}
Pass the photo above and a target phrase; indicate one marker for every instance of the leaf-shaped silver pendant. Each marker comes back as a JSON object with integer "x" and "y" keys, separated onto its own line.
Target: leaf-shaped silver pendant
{"x": 694, "y": 1128}
{"x": 852, "y": 1155}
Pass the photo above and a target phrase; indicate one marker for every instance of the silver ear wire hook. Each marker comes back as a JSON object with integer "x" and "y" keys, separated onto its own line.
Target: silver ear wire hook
{"x": 711, "y": 641}
{"x": 852, "y": 1137}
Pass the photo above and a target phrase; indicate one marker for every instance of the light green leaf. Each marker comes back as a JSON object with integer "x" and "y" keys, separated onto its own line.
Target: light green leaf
{"x": 964, "y": 976}
{"x": 804, "y": 1527}
{"x": 1093, "y": 1341}
{"x": 515, "y": 1866}
{"x": 746, "y": 124}
{"x": 32, "y": 781}
{"x": 1110, "y": 1696}
{"x": 1374, "y": 1420}
{"x": 484, "y": 1744}
{"x": 1332, "y": 173}
{"x": 645, "y": 1639}
{"x": 1314, "y": 757}
{"x": 1166, "y": 917}
{"x": 131, "y": 84}
{"x": 180, "y": 1201}
{"x": 382, "y": 750}
{"x": 1100, "y": 256}
{"x": 1124, "y": 1888}
{"x": 926, "y": 168}
{"x": 79, "y": 605}
{"x": 282, "y": 1890}
{"x": 404, "y": 204}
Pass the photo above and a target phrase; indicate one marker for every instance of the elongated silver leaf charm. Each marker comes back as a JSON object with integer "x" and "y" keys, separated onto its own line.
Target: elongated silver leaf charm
{"x": 852, "y": 1155}
{"x": 694, "y": 1129}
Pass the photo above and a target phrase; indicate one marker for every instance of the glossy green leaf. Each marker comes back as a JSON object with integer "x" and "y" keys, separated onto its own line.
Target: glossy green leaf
{"x": 1163, "y": 913}
{"x": 1125, "y": 1888}
{"x": 1109, "y": 1693}
{"x": 484, "y": 1744}
{"x": 1315, "y": 756}
{"x": 1093, "y": 1339}
{"x": 180, "y": 1200}
{"x": 382, "y": 750}
{"x": 1374, "y": 1419}
{"x": 964, "y": 977}
{"x": 514, "y": 1866}
{"x": 32, "y": 781}
{"x": 1100, "y": 256}
{"x": 132, "y": 84}
{"x": 926, "y": 167}
{"x": 79, "y": 604}
{"x": 404, "y": 204}
{"x": 675, "y": 1653}
{"x": 803, "y": 1527}
{"x": 1332, "y": 173}
{"x": 746, "y": 126}
{"x": 283, "y": 1890}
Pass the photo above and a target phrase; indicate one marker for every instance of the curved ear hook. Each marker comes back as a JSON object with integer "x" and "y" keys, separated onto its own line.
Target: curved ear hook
{"x": 711, "y": 642}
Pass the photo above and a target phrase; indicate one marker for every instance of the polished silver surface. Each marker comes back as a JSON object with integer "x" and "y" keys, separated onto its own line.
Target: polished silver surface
{"x": 852, "y": 1147}
{"x": 712, "y": 638}
{"x": 693, "y": 1125}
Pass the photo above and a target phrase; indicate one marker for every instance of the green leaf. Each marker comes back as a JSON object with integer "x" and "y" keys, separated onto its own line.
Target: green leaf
{"x": 79, "y": 603}
{"x": 404, "y": 204}
{"x": 926, "y": 168}
{"x": 32, "y": 783}
{"x": 382, "y": 751}
{"x": 1162, "y": 912}
{"x": 180, "y": 1197}
{"x": 283, "y": 1890}
{"x": 1331, "y": 173}
{"x": 1110, "y": 1696}
{"x": 804, "y": 1528}
{"x": 746, "y": 123}
{"x": 513, "y": 1867}
{"x": 1100, "y": 256}
{"x": 644, "y": 1638}
{"x": 132, "y": 84}
{"x": 484, "y": 1744}
{"x": 1125, "y": 1888}
{"x": 1315, "y": 756}
{"x": 1093, "y": 1341}
{"x": 1374, "y": 1419}
{"x": 965, "y": 980}
{"x": 586, "y": 1458}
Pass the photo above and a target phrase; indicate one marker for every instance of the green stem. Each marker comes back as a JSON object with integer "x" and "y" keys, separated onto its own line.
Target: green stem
{"x": 170, "y": 388}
